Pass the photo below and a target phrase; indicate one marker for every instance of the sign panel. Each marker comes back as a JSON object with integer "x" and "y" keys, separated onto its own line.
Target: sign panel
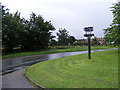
{"x": 88, "y": 29}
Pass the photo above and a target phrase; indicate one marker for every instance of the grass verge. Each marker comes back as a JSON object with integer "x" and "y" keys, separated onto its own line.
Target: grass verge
{"x": 78, "y": 71}
{"x": 50, "y": 51}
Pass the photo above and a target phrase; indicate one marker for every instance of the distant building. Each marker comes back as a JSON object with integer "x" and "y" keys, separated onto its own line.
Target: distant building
{"x": 100, "y": 41}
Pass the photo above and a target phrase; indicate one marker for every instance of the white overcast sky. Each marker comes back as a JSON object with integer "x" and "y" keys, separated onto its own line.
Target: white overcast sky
{"x": 73, "y": 15}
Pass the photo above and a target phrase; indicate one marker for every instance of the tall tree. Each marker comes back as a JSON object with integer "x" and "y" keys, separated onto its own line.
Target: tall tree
{"x": 28, "y": 35}
{"x": 38, "y": 33}
{"x": 111, "y": 33}
{"x": 63, "y": 36}
{"x": 11, "y": 25}
{"x": 52, "y": 41}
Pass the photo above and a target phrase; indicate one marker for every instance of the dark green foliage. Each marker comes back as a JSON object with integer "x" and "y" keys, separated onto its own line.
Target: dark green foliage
{"x": 71, "y": 40}
{"x": 52, "y": 41}
{"x": 25, "y": 35}
{"x": 112, "y": 33}
{"x": 12, "y": 25}
{"x": 38, "y": 33}
{"x": 64, "y": 38}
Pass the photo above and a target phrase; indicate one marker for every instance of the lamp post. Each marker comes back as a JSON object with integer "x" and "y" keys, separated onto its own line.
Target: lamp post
{"x": 88, "y": 34}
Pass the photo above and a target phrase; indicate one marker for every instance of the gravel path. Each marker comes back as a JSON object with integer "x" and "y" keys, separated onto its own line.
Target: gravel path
{"x": 15, "y": 80}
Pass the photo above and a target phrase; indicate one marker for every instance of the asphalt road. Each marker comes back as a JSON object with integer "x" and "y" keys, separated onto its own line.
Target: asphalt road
{"x": 12, "y": 64}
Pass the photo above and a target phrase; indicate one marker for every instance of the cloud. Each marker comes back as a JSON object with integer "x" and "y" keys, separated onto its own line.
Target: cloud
{"x": 73, "y": 15}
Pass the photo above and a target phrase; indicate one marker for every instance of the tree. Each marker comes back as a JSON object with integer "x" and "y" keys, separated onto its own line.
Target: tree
{"x": 11, "y": 25}
{"x": 111, "y": 33}
{"x": 27, "y": 35}
{"x": 52, "y": 41}
{"x": 38, "y": 33}
{"x": 63, "y": 36}
{"x": 71, "y": 40}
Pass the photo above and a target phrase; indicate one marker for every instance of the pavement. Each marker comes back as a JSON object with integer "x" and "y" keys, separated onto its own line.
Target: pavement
{"x": 15, "y": 80}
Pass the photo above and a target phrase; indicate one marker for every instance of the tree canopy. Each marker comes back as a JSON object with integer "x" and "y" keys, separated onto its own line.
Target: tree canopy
{"x": 27, "y": 35}
{"x": 113, "y": 31}
{"x": 64, "y": 38}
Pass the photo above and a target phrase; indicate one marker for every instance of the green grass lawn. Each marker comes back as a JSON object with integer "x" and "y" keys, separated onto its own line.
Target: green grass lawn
{"x": 49, "y": 51}
{"x": 78, "y": 71}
